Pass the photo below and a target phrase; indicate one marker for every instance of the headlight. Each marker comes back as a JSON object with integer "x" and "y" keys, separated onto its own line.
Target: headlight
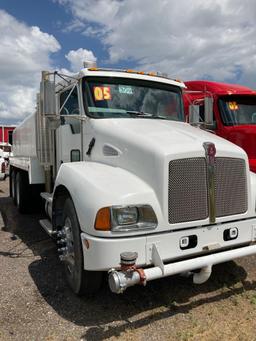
{"x": 125, "y": 215}
{"x": 126, "y": 218}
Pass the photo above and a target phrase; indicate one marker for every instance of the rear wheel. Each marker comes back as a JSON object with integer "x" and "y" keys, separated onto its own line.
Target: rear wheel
{"x": 25, "y": 196}
{"x": 22, "y": 192}
{"x": 12, "y": 182}
{"x": 81, "y": 281}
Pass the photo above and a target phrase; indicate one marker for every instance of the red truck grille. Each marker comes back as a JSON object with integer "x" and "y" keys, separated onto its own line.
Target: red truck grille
{"x": 188, "y": 189}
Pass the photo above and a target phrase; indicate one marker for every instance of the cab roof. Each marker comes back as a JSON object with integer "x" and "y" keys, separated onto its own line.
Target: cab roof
{"x": 219, "y": 88}
{"x": 132, "y": 74}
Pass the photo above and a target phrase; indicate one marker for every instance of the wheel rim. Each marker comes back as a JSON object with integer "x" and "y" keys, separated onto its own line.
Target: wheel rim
{"x": 68, "y": 243}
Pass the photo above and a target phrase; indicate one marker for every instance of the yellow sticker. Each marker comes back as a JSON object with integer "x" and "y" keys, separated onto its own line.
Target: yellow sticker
{"x": 102, "y": 93}
{"x": 233, "y": 106}
{"x": 106, "y": 93}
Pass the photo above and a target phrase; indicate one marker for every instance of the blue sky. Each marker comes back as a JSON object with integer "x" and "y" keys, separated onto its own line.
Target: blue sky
{"x": 200, "y": 39}
{"x": 52, "y": 18}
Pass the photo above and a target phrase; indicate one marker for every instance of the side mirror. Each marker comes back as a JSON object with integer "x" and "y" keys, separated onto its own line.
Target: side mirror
{"x": 208, "y": 111}
{"x": 47, "y": 95}
{"x": 194, "y": 117}
{"x": 47, "y": 101}
{"x": 209, "y": 122}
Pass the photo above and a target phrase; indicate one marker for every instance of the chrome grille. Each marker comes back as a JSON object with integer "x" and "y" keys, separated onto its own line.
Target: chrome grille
{"x": 188, "y": 190}
{"x": 188, "y": 199}
{"x": 230, "y": 186}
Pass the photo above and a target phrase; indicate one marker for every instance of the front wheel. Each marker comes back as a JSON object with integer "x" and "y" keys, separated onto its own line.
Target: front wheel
{"x": 81, "y": 281}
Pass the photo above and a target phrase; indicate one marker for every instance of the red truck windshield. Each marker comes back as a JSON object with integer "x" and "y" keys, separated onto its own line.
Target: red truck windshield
{"x": 238, "y": 110}
{"x": 122, "y": 98}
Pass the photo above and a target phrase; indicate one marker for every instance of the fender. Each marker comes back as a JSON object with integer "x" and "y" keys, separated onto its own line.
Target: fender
{"x": 93, "y": 185}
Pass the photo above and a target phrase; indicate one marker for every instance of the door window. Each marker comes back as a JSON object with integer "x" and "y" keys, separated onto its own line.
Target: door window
{"x": 70, "y": 106}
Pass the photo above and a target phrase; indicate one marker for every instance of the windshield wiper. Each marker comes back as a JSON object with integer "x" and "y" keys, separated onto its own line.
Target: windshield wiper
{"x": 145, "y": 115}
{"x": 161, "y": 118}
{"x": 139, "y": 113}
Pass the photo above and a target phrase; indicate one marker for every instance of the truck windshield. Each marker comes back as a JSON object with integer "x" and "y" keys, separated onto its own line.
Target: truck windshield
{"x": 238, "y": 110}
{"x": 119, "y": 97}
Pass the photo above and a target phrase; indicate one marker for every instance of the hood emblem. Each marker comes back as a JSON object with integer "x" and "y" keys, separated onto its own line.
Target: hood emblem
{"x": 210, "y": 152}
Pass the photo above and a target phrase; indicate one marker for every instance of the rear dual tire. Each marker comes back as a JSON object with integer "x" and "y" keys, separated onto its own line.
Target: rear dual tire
{"x": 25, "y": 196}
{"x": 12, "y": 186}
{"x": 23, "y": 199}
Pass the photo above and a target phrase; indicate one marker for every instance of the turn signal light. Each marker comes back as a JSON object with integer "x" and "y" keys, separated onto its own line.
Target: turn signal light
{"x": 152, "y": 74}
{"x": 103, "y": 219}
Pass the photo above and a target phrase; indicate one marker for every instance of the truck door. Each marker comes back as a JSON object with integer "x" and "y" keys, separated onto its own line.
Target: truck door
{"x": 68, "y": 135}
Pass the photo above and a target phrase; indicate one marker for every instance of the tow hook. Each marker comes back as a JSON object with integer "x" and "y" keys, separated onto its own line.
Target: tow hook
{"x": 203, "y": 275}
{"x": 129, "y": 274}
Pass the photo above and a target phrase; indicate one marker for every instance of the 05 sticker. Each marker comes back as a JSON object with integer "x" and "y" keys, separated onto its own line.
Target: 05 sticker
{"x": 102, "y": 93}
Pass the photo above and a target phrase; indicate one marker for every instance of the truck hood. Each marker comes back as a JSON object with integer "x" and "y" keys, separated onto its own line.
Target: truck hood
{"x": 139, "y": 137}
{"x": 145, "y": 147}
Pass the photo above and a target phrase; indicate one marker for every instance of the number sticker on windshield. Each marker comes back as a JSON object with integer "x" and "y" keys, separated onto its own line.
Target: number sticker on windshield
{"x": 102, "y": 93}
{"x": 124, "y": 89}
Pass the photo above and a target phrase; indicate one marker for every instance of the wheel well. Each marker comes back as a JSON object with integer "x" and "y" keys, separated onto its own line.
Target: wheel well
{"x": 60, "y": 195}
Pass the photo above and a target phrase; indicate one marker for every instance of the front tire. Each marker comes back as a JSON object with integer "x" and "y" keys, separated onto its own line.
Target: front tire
{"x": 81, "y": 281}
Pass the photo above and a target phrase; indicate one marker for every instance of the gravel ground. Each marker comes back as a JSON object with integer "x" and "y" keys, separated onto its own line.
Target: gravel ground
{"x": 36, "y": 304}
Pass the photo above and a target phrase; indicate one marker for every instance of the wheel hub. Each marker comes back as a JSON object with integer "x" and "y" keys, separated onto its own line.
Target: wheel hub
{"x": 65, "y": 240}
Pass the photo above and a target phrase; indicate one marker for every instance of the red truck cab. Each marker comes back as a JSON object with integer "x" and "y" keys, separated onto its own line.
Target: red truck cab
{"x": 234, "y": 112}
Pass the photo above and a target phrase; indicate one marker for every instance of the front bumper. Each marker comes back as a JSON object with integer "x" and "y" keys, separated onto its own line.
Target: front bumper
{"x": 102, "y": 254}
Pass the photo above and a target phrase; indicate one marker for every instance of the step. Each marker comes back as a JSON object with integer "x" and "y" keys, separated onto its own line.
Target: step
{"x": 47, "y": 225}
{"x": 47, "y": 196}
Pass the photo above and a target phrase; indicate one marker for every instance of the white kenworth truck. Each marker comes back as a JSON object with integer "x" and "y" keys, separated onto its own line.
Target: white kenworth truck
{"x": 129, "y": 188}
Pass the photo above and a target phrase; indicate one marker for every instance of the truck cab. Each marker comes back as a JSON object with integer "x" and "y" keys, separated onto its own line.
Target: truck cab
{"x": 130, "y": 189}
{"x": 234, "y": 112}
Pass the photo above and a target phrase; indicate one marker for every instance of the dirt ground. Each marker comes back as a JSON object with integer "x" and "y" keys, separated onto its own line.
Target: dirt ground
{"x": 36, "y": 304}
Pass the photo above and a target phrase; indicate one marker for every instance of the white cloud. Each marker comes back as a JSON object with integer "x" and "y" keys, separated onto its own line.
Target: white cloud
{"x": 195, "y": 39}
{"x": 76, "y": 58}
{"x": 24, "y": 52}
{"x": 100, "y": 11}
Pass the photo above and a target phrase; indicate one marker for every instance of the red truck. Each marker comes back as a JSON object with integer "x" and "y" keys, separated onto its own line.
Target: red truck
{"x": 228, "y": 110}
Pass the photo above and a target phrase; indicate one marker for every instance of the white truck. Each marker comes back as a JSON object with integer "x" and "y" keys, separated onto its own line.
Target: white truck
{"x": 130, "y": 189}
